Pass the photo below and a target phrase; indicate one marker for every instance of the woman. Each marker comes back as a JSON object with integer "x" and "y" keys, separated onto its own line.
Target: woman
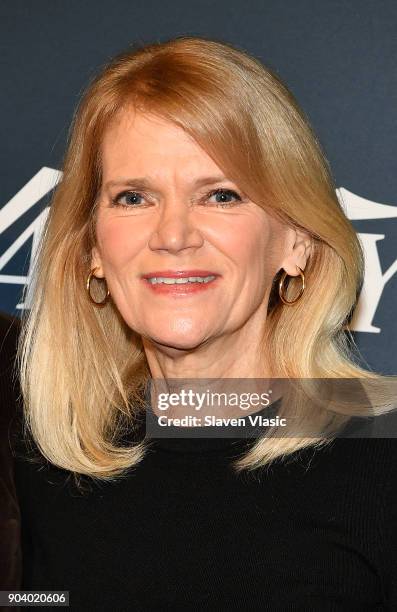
{"x": 190, "y": 159}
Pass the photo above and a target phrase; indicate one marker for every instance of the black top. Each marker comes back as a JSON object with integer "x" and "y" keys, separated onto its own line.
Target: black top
{"x": 183, "y": 532}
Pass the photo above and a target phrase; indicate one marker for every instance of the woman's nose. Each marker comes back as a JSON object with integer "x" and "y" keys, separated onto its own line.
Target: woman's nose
{"x": 175, "y": 228}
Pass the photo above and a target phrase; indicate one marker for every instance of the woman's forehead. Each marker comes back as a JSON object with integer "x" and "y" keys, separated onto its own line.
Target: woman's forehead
{"x": 155, "y": 146}
{"x": 129, "y": 122}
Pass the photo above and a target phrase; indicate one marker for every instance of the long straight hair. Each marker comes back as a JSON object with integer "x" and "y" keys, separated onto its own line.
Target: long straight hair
{"x": 82, "y": 370}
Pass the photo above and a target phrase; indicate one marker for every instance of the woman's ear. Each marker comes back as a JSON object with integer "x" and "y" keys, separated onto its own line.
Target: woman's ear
{"x": 298, "y": 254}
{"x": 96, "y": 262}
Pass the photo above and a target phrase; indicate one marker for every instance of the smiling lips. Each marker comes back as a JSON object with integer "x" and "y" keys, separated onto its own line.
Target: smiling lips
{"x": 180, "y": 282}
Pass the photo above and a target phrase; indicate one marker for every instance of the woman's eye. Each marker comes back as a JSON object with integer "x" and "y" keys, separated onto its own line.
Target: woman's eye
{"x": 130, "y": 199}
{"x": 224, "y": 195}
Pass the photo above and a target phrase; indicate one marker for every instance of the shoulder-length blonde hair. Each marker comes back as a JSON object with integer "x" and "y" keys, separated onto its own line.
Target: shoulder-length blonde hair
{"x": 82, "y": 370}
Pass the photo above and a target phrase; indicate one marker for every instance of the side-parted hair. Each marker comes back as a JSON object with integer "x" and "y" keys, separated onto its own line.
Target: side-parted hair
{"x": 83, "y": 371}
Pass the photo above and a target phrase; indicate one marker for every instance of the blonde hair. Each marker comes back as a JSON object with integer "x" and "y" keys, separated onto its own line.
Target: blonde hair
{"x": 82, "y": 370}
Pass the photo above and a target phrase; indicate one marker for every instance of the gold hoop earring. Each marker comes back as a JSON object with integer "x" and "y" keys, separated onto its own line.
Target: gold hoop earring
{"x": 281, "y": 288}
{"x": 88, "y": 284}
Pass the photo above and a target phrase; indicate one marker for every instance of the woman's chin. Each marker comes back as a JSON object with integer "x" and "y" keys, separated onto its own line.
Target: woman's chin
{"x": 177, "y": 342}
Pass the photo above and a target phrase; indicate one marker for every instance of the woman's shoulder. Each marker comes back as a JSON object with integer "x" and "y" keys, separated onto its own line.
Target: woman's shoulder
{"x": 356, "y": 470}
{"x": 364, "y": 456}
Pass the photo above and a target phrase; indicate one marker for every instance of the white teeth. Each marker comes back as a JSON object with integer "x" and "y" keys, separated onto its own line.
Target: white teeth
{"x": 179, "y": 281}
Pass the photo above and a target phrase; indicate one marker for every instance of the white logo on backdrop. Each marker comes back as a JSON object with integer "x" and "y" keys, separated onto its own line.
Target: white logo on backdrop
{"x": 355, "y": 207}
{"x": 359, "y": 209}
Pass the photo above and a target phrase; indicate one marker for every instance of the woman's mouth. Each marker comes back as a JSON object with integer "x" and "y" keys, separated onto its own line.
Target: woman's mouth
{"x": 177, "y": 285}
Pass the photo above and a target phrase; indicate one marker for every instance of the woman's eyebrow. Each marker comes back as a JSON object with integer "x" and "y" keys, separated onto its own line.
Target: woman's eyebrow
{"x": 145, "y": 183}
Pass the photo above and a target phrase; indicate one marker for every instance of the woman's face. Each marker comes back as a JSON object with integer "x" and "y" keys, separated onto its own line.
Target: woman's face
{"x": 156, "y": 215}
